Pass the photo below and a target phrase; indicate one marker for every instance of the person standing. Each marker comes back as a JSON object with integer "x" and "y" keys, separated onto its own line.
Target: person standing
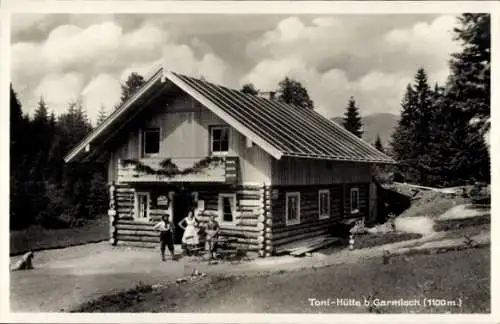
{"x": 166, "y": 229}
{"x": 212, "y": 229}
{"x": 189, "y": 225}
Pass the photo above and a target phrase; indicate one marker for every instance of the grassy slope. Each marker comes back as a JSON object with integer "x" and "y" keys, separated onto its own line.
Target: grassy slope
{"x": 449, "y": 276}
{"x": 36, "y": 238}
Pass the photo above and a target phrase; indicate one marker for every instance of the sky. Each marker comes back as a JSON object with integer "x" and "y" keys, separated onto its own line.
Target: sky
{"x": 65, "y": 57}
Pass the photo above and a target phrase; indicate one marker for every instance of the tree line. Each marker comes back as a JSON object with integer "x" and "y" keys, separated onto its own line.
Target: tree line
{"x": 435, "y": 141}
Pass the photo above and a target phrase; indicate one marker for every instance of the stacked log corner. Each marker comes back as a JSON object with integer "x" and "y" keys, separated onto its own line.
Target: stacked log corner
{"x": 268, "y": 235}
{"x": 112, "y": 213}
{"x": 131, "y": 232}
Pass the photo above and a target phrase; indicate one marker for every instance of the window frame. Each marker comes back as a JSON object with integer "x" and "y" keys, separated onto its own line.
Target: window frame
{"x": 220, "y": 208}
{"x": 137, "y": 194}
{"x": 356, "y": 190}
{"x": 143, "y": 141}
{"x": 211, "y": 139}
{"x": 328, "y": 202}
{"x": 289, "y": 222}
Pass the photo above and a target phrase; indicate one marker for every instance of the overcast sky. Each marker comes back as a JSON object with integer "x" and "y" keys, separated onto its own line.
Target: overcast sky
{"x": 370, "y": 57}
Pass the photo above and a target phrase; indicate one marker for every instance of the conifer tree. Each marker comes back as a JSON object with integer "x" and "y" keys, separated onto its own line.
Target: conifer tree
{"x": 133, "y": 83}
{"x": 102, "y": 115}
{"x": 352, "y": 120}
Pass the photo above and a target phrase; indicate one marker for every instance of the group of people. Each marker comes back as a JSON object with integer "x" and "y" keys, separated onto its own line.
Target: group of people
{"x": 190, "y": 238}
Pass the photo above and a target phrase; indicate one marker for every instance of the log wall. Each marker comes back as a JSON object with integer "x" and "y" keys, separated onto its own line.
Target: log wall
{"x": 248, "y": 230}
{"x": 297, "y": 171}
{"x": 310, "y": 225}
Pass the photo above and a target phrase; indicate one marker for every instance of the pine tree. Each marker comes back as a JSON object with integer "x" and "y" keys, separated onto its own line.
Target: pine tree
{"x": 467, "y": 94}
{"x": 411, "y": 139}
{"x": 292, "y": 92}
{"x": 133, "y": 83}
{"x": 378, "y": 144}
{"x": 352, "y": 120}
{"x": 249, "y": 88}
{"x": 102, "y": 115}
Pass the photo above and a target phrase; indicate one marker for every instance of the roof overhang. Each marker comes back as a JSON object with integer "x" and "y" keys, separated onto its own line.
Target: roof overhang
{"x": 92, "y": 145}
{"x": 119, "y": 115}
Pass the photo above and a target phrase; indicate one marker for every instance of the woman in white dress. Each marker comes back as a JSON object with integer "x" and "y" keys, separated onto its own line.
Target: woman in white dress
{"x": 190, "y": 226}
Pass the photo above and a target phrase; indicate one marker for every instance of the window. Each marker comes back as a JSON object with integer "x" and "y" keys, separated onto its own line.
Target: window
{"x": 354, "y": 200}
{"x": 219, "y": 139}
{"x": 151, "y": 141}
{"x": 292, "y": 208}
{"x": 142, "y": 205}
{"x": 227, "y": 207}
{"x": 324, "y": 203}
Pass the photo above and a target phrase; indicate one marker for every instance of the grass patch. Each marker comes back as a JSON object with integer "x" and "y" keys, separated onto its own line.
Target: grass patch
{"x": 116, "y": 302}
{"x": 468, "y": 231}
{"x": 432, "y": 204}
{"x": 457, "y": 224}
{"x": 36, "y": 238}
{"x": 368, "y": 240}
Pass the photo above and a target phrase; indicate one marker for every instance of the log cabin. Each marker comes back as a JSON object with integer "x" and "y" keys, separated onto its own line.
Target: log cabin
{"x": 272, "y": 173}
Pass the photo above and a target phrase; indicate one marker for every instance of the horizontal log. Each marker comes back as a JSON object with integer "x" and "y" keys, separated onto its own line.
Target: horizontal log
{"x": 120, "y": 189}
{"x": 247, "y": 192}
{"x": 249, "y": 203}
{"x": 240, "y": 237}
{"x": 136, "y": 238}
{"x": 125, "y": 211}
{"x": 137, "y": 244}
{"x": 240, "y": 228}
{"x": 125, "y": 217}
{"x": 139, "y": 233}
{"x": 134, "y": 222}
{"x": 134, "y": 227}
{"x": 282, "y": 231}
{"x": 247, "y": 222}
{"x": 278, "y": 242}
{"x": 248, "y": 215}
{"x": 249, "y": 187}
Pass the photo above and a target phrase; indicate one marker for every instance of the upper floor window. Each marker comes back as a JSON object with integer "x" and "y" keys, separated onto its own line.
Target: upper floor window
{"x": 219, "y": 139}
{"x": 151, "y": 141}
{"x": 354, "y": 200}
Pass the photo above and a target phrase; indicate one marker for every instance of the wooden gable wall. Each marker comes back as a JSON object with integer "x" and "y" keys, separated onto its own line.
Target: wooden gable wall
{"x": 184, "y": 127}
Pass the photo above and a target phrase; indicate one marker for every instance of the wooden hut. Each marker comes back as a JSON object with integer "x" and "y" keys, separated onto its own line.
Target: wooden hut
{"x": 272, "y": 173}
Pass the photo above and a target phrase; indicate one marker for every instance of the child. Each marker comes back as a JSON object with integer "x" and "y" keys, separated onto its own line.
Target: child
{"x": 212, "y": 232}
{"x": 166, "y": 229}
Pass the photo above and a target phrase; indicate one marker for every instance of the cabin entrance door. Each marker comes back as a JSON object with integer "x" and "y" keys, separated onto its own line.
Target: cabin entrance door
{"x": 181, "y": 205}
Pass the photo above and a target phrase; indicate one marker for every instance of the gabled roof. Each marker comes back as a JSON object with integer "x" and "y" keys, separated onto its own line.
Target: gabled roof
{"x": 278, "y": 128}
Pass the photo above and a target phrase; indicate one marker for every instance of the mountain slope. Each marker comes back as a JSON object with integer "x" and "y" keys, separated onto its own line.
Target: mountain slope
{"x": 382, "y": 124}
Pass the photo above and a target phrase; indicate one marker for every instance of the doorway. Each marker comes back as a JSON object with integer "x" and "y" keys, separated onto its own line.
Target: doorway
{"x": 182, "y": 203}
